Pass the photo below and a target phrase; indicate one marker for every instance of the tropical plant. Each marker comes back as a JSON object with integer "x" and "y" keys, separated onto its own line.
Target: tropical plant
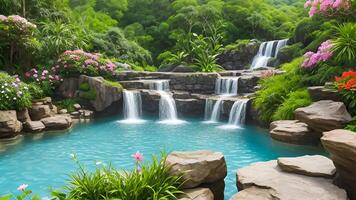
{"x": 344, "y": 45}
{"x": 347, "y": 88}
{"x": 67, "y": 104}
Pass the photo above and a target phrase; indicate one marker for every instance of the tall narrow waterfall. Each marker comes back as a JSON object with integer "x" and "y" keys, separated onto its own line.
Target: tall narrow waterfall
{"x": 167, "y": 106}
{"x": 227, "y": 86}
{"x": 237, "y": 114}
{"x": 213, "y": 110}
{"x": 266, "y": 51}
{"x": 132, "y": 107}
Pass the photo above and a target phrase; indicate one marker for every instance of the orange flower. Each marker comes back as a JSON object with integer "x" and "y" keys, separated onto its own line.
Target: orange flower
{"x": 351, "y": 84}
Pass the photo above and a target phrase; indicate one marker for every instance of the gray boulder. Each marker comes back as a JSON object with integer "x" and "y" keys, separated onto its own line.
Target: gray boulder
{"x": 324, "y": 115}
{"x": 34, "y": 126}
{"x": 319, "y": 93}
{"x": 9, "y": 125}
{"x": 292, "y": 131}
{"x": 197, "y": 194}
{"x": 38, "y": 112}
{"x": 23, "y": 115}
{"x": 58, "y": 122}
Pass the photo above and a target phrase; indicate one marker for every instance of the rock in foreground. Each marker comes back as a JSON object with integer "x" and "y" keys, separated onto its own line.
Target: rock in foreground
{"x": 197, "y": 194}
{"x": 9, "y": 125}
{"x": 318, "y": 166}
{"x": 281, "y": 185}
{"x": 341, "y": 144}
{"x": 58, "y": 122}
{"x": 324, "y": 115}
{"x": 197, "y": 167}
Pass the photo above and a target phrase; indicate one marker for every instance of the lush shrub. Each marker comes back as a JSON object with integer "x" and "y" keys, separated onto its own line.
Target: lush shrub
{"x": 113, "y": 84}
{"x": 47, "y": 80}
{"x": 36, "y": 90}
{"x": 327, "y": 7}
{"x": 17, "y": 40}
{"x": 78, "y": 62}
{"x": 67, "y": 104}
{"x": 289, "y": 52}
{"x": 237, "y": 45}
{"x": 275, "y": 89}
{"x": 344, "y": 45}
{"x": 352, "y": 125}
{"x": 321, "y": 74}
{"x": 304, "y": 30}
{"x": 15, "y": 94}
{"x": 297, "y": 99}
{"x": 147, "y": 181}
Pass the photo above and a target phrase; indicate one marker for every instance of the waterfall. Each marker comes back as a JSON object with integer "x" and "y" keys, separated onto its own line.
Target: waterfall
{"x": 209, "y": 103}
{"x": 213, "y": 110}
{"x": 227, "y": 86}
{"x": 266, "y": 51}
{"x": 132, "y": 107}
{"x": 237, "y": 114}
{"x": 167, "y": 106}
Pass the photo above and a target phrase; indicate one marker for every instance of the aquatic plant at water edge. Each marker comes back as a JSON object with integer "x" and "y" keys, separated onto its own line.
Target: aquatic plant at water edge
{"x": 14, "y": 94}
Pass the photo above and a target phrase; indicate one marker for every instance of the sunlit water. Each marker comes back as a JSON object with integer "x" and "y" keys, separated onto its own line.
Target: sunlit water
{"x": 43, "y": 162}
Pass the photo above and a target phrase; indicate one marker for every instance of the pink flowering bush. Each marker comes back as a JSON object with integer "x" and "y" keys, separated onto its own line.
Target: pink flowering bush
{"x": 17, "y": 37}
{"x": 324, "y": 53}
{"x": 45, "y": 79}
{"x": 77, "y": 62}
{"x": 327, "y": 7}
{"x": 14, "y": 94}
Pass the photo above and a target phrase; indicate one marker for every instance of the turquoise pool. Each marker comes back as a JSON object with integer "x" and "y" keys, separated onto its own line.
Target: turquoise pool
{"x": 44, "y": 161}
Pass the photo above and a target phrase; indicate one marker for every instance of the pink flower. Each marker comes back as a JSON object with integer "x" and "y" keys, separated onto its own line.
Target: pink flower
{"x": 3, "y": 18}
{"x": 312, "y": 11}
{"x": 28, "y": 74}
{"x": 22, "y": 187}
{"x": 138, "y": 156}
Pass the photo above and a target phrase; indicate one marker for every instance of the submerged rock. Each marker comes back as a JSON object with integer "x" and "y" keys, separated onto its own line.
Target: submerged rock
{"x": 282, "y": 185}
{"x": 197, "y": 167}
{"x": 341, "y": 144}
{"x": 197, "y": 194}
{"x": 292, "y": 131}
{"x": 324, "y": 115}
{"x": 34, "y": 126}
{"x": 318, "y": 166}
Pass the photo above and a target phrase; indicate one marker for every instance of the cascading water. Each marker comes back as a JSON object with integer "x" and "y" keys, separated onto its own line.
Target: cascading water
{"x": 132, "y": 107}
{"x": 167, "y": 105}
{"x": 227, "y": 86}
{"x": 237, "y": 114}
{"x": 213, "y": 110}
{"x": 266, "y": 51}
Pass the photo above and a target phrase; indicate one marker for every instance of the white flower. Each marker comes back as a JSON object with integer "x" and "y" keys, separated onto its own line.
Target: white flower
{"x": 14, "y": 98}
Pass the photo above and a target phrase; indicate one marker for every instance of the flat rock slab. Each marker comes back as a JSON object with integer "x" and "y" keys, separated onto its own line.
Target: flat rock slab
{"x": 197, "y": 167}
{"x": 197, "y": 194}
{"x": 58, "y": 122}
{"x": 324, "y": 115}
{"x": 292, "y": 131}
{"x": 341, "y": 144}
{"x": 282, "y": 185}
{"x": 34, "y": 126}
{"x": 317, "y": 166}
{"x": 254, "y": 193}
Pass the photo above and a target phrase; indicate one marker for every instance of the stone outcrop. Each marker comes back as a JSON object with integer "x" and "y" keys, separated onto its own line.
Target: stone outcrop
{"x": 324, "y": 115}
{"x": 341, "y": 144}
{"x": 318, "y": 166}
{"x": 318, "y": 93}
{"x": 68, "y": 88}
{"x": 197, "y": 194}
{"x": 239, "y": 57}
{"x": 58, "y": 122}
{"x": 106, "y": 94}
{"x": 270, "y": 182}
{"x": 23, "y": 115}
{"x": 200, "y": 169}
{"x": 38, "y": 112}
{"x": 34, "y": 126}
{"x": 292, "y": 131}
{"x": 9, "y": 125}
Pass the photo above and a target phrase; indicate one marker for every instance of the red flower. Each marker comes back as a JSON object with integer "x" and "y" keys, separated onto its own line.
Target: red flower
{"x": 351, "y": 84}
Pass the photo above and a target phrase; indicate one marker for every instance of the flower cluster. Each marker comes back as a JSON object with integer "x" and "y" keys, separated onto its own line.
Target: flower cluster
{"x": 18, "y": 21}
{"x": 347, "y": 81}
{"x": 323, "y": 54}
{"x": 326, "y": 6}
{"x": 14, "y": 94}
{"x": 41, "y": 76}
{"x": 267, "y": 73}
{"x": 74, "y": 63}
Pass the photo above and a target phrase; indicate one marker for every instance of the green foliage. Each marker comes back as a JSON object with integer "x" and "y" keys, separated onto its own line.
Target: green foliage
{"x": 150, "y": 182}
{"x": 67, "y": 104}
{"x": 26, "y": 194}
{"x": 349, "y": 97}
{"x": 294, "y": 100}
{"x": 276, "y": 89}
{"x": 14, "y": 94}
{"x": 237, "y": 45}
{"x": 352, "y": 125}
{"x": 345, "y": 44}
{"x": 36, "y": 91}
{"x": 305, "y": 28}
{"x": 87, "y": 92}
{"x": 168, "y": 57}
{"x": 289, "y": 52}
{"x": 113, "y": 84}
{"x": 321, "y": 74}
